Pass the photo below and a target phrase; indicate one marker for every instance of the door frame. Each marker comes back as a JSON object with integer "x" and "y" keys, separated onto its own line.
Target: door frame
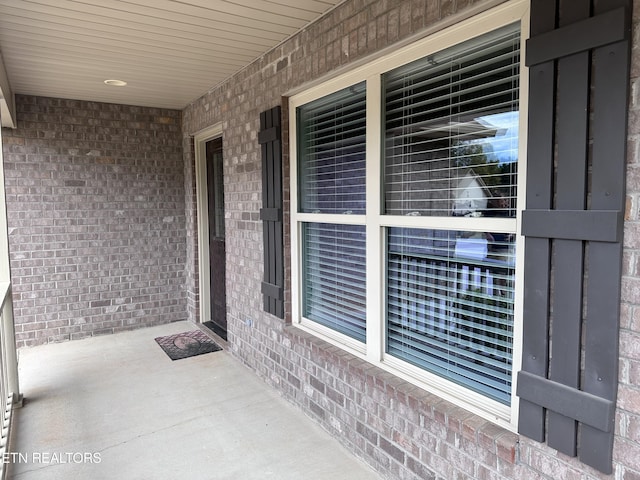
{"x": 202, "y": 208}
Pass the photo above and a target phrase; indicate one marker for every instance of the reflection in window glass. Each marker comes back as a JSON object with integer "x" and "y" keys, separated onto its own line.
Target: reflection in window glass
{"x": 450, "y": 305}
{"x": 451, "y": 130}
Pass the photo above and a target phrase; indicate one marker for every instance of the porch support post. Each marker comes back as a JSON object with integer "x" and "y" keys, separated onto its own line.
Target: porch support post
{"x": 10, "y": 352}
{"x": 10, "y": 357}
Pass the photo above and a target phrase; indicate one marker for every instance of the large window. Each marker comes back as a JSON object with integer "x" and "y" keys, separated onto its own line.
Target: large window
{"x": 451, "y": 149}
{"x": 405, "y": 206}
{"x": 331, "y": 180}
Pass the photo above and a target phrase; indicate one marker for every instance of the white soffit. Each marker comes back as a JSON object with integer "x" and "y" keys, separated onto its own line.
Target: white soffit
{"x": 169, "y": 52}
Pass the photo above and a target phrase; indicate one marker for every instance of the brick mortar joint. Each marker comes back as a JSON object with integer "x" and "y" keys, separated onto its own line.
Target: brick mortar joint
{"x": 505, "y": 444}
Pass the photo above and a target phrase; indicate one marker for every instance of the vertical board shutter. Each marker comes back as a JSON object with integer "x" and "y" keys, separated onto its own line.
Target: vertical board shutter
{"x": 578, "y": 56}
{"x": 271, "y": 212}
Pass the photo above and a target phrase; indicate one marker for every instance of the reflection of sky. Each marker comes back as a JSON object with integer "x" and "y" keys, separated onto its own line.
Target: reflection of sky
{"x": 505, "y": 143}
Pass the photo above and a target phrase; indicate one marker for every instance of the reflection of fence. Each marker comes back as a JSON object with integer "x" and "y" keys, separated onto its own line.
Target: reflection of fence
{"x": 454, "y": 317}
{"x": 9, "y": 390}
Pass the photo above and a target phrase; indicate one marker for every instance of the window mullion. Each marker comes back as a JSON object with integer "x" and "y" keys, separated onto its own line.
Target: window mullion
{"x": 375, "y": 264}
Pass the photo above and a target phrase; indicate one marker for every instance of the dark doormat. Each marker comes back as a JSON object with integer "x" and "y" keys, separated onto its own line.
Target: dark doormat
{"x": 187, "y": 344}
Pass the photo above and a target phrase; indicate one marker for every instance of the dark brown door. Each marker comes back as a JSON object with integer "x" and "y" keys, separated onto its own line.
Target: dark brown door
{"x": 217, "y": 264}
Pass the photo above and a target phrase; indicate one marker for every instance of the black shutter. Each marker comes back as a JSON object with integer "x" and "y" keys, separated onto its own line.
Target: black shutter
{"x": 271, "y": 212}
{"x": 579, "y": 57}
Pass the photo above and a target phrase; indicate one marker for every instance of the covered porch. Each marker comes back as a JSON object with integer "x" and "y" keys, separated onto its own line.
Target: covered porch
{"x": 118, "y": 407}
{"x": 150, "y": 177}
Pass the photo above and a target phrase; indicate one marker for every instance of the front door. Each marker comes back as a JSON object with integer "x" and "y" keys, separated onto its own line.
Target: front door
{"x": 217, "y": 264}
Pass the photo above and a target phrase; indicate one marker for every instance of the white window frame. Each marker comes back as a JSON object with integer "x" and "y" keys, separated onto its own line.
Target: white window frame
{"x": 376, "y": 223}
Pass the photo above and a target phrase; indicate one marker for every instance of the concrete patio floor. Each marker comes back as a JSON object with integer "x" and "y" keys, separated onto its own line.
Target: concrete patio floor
{"x": 116, "y": 407}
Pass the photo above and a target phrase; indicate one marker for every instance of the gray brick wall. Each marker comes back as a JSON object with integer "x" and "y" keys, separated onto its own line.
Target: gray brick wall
{"x": 96, "y": 216}
{"x": 401, "y": 430}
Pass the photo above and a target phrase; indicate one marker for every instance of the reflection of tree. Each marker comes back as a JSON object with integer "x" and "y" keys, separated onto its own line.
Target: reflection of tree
{"x": 469, "y": 154}
{"x": 499, "y": 177}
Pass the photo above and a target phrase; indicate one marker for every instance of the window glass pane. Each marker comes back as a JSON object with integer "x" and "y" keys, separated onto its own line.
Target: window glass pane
{"x": 451, "y": 130}
{"x": 215, "y": 186}
{"x": 450, "y": 305}
{"x": 333, "y": 271}
{"x": 331, "y": 153}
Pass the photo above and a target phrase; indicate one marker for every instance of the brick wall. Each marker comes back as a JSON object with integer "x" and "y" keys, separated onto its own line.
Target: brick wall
{"x": 401, "y": 430}
{"x": 96, "y": 215}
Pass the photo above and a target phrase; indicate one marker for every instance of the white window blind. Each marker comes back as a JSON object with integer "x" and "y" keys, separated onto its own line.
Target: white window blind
{"x": 332, "y": 153}
{"x": 333, "y": 267}
{"x": 450, "y": 305}
{"x": 451, "y": 149}
{"x": 451, "y": 130}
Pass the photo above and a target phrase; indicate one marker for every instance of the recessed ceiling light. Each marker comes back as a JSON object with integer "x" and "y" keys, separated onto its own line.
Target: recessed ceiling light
{"x": 115, "y": 83}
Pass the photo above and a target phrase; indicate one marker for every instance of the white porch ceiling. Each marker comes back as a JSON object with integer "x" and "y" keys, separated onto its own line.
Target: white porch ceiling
{"x": 169, "y": 52}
